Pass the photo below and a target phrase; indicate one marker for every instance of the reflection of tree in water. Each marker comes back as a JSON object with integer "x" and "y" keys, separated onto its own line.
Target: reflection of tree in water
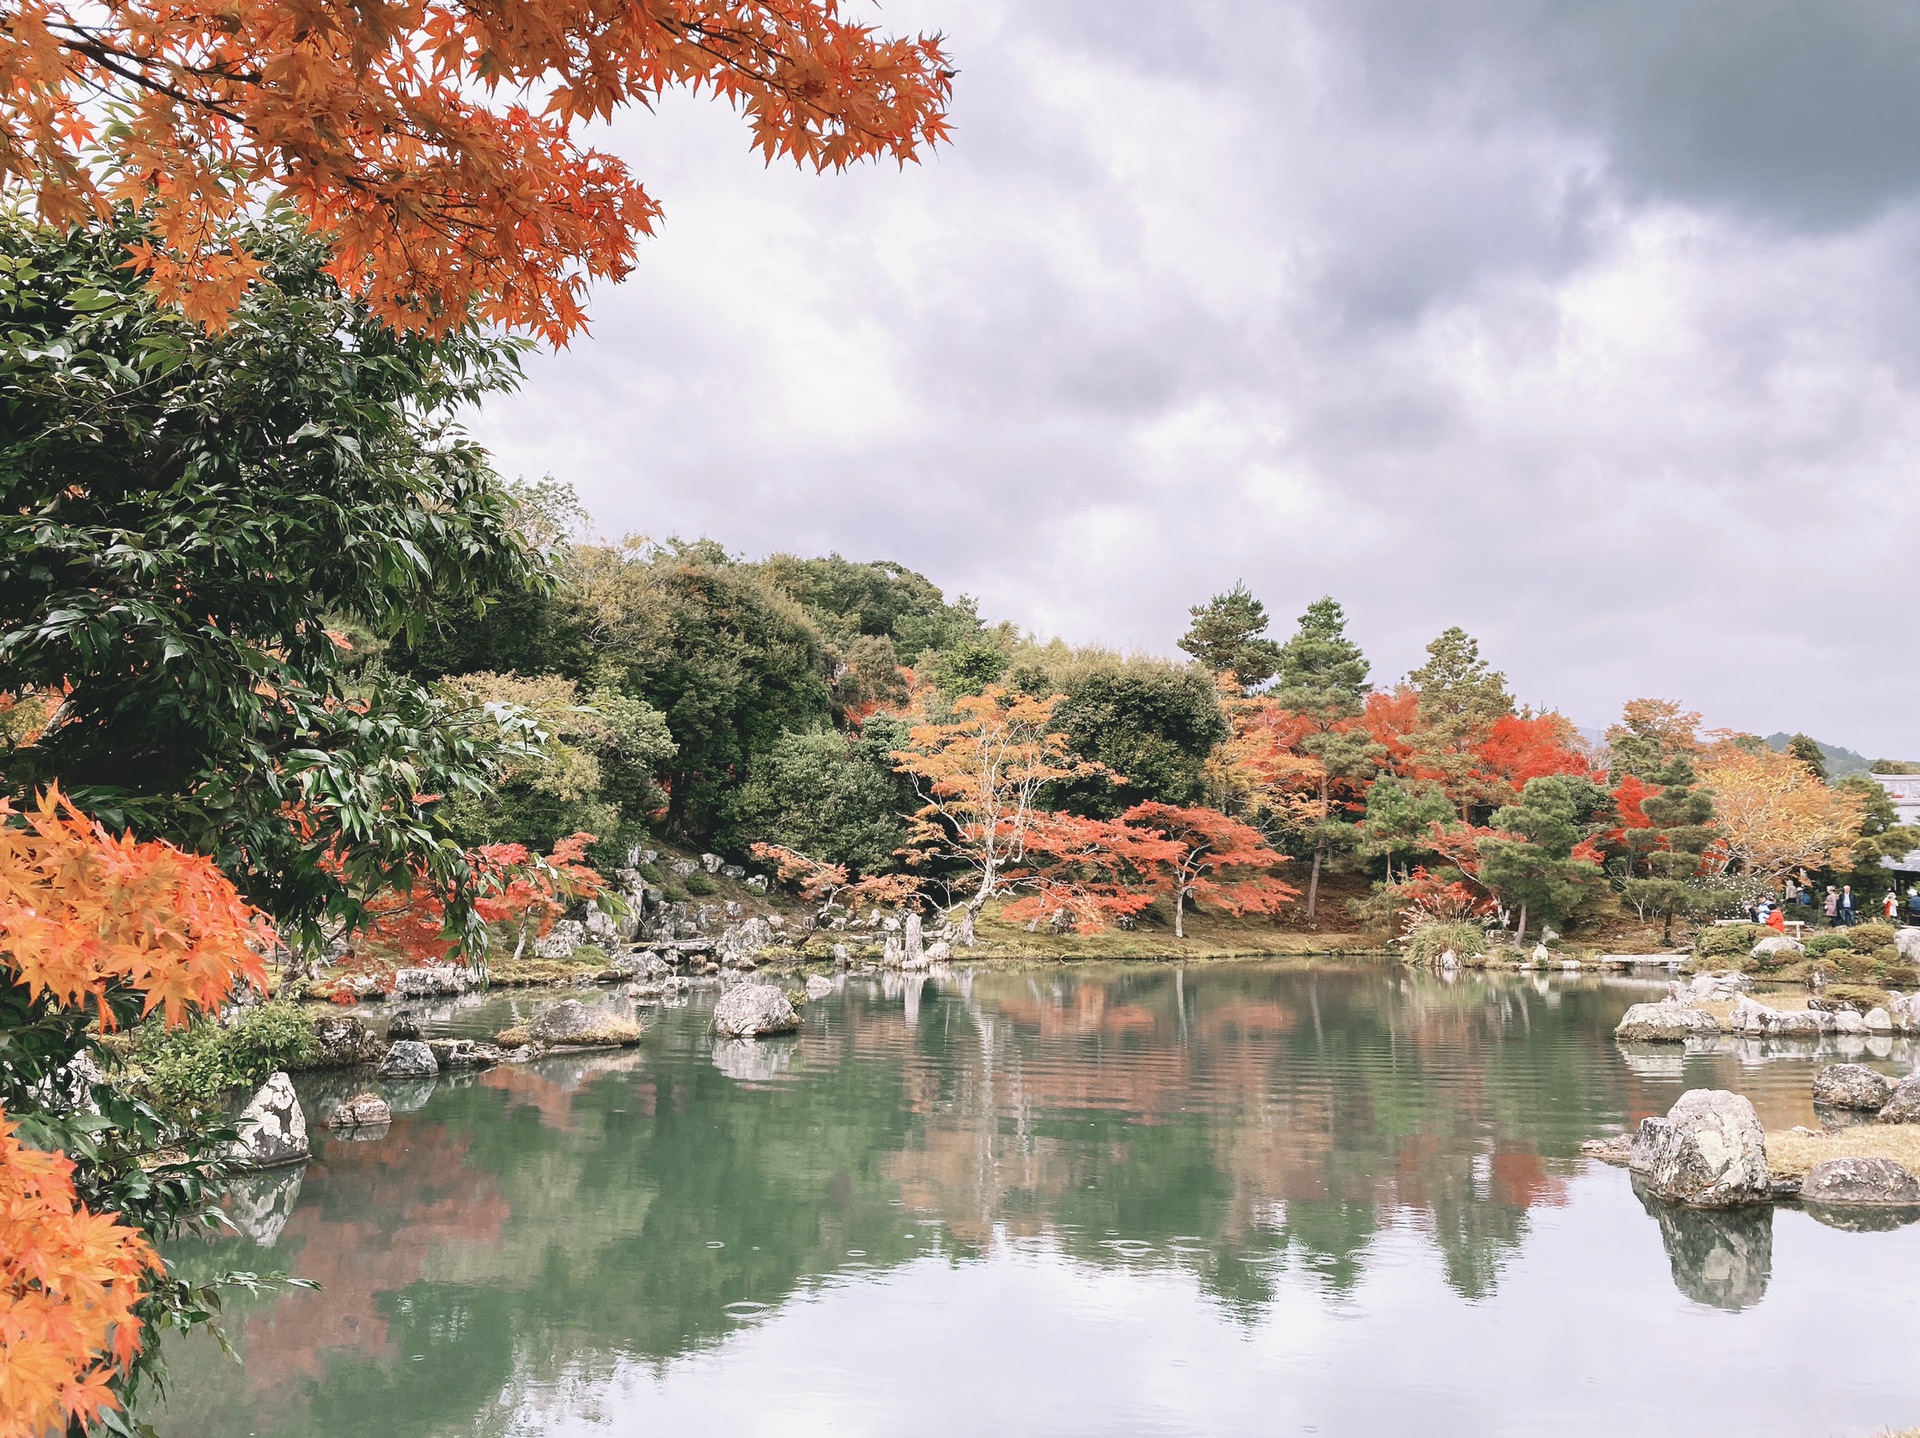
{"x": 1720, "y": 1257}
{"x": 1253, "y": 1128}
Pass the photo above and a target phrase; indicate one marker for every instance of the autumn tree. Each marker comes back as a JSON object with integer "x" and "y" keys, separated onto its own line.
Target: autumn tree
{"x": 1216, "y": 860}
{"x": 97, "y": 931}
{"x": 1460, "y": 699}
{"x": 1228, "y": 635}
{"x": 1666, "y": 818}
{"x": 979, "y": 776}
{"x": 1321, "y": 675}
{"x": 1772, "y": 816}
{"x": 438, "y": 145}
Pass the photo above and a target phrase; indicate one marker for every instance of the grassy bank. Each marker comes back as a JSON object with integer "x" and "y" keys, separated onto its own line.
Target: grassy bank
{"x": 1795, "y": 1152}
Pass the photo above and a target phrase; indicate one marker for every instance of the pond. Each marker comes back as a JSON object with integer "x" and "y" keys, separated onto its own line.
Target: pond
{"x": 1225, "y": 1199}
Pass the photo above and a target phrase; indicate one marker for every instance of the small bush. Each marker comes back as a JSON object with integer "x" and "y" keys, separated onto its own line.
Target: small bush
{"x": 590, "y": 954}
{"x": 1868, "y": 937}
{"x": 1429, "y": 941}
{"x": 192, "y": 1069}
{"x": 651, "y": 873}
{"x": 673, "y": 893}
{"x": 1904, "y": 975}
{"x": 1832, "y": 941}
{"x": 1730, "y": 941}
{"x": 699, "y": 885}
{"x": 1861, "y": 996}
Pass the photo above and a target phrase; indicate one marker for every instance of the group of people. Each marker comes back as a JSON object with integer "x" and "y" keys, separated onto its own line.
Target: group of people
{"x": 1840, "y": 907}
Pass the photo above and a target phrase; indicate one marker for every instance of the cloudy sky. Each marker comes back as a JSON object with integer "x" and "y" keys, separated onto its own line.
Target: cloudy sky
{"x": 1591, "y": 328}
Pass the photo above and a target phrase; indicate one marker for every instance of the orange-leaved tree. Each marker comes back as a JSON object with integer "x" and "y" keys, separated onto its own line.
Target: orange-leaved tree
{"x": 1773, "y": 815}
{"x": 95, "y": 930}
{"x": 826, "y": 884}
{"x": 437, "y": 143}
{"x": 980, "y": 775}
{"x": 1086, "y": 871}
{"x": 1214, "y": 859}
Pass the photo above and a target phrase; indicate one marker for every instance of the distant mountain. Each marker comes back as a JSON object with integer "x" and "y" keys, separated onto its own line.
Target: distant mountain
{"x": 1840, "y": 762}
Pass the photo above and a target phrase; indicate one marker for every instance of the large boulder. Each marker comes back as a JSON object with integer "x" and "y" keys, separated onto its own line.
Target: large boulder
{"x": 272, "y": 1130}
{"x": 1904, "y": 1105}
{"x": 561, "y": 940}
{"x": 1837, "y": 1181}
{"x": 1852, "y": 1086}
{"x": 818, "y": 986}
{"x": 1666, "y": 1022}
{"x": 409, "y": 1059}
{"x": 1708, "y": 1152}
{"x": 751, "y": 1011}
{"x": 1778, "y": 945}
{"x": 572, "y": 1024}
{"x": 1907, "y": 941}
{"x": 1878, "y": 1021}
{"x": 343, "y": 1042}
{"x": 1904, "y": 1011}
{"x": 454, "y": 1055}
{"x": 1709, "y": 988}
{"x": 432, "y": 982}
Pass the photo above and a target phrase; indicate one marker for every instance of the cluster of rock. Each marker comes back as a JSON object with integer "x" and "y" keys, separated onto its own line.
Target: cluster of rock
{"x": 1859, "y": 1089}
{"x": 1755, "y": 1018}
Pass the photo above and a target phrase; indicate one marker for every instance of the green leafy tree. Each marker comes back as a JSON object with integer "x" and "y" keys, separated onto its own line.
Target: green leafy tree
{"x": 831, "y": 796}
{"x": 192, "y": 513}
{"x": 1144, "y": 718}
{"x": 1807, "y": 751}
{"x": 1322, "y": 675}
{"x": 1882, "y": 836}
{"x": 1227, "y": 635}
{"x": 1400, "y": 819}
{"x": 1460, "y": 698}
{"x": 1531, "y": 866}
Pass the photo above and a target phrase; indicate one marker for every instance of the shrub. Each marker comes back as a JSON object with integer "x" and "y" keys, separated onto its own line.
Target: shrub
{"x": 1428, "y": 942}
{"x": 673, "y": 893}
{"x": 1832, "y": 941}
{"x": 1905, "y": 975}
{"x": 1861, "y": 996}
{"x": 192, "y": 1069}
{"x": 651, "y": 873}
{"x": 590, "y": 954}
{"x": 699, "y": 885}
{"x": 1868, "y": 937}
{"x": 1730, "y": 941}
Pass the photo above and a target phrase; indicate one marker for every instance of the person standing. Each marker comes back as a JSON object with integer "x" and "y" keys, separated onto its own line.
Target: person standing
{"x": 1846, "y": 906}
{"x": 1891, "y": 906}
{"x": 1833, "y": 906}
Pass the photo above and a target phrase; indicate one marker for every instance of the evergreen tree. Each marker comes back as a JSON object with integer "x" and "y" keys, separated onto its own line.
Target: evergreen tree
{"x": 1535, "y": 870}
{"x": 1227, "y": 636}
{"x": 1322, "y": 675}
{"x": 1807, "y": 751}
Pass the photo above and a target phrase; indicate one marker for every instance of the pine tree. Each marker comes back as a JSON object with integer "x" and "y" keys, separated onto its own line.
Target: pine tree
{"x": 1226, "y": 636}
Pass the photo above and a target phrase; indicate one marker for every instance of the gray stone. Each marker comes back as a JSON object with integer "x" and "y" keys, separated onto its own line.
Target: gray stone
{"x": 1722, "y": 1258}
{"x": 711, "y": 863}
{"x": 403, "y": 1025}
{"x": 732, "y": 871}
{"x": 561, "y": 940}
{"x": 939, "y": 952}
{"x": 463, "y": 1054}
{"x": 1846, "y": 1021}
{"x": 748, "y": 1011}
{"x": 1907, "y": 941}
{"x": 343, "y": 1042}
{"x": 364, "y": 1110}
{"x": 683, "y": 868}
{"x": 1904, "y": 1106}
{"x": 1837, "y": 1181}
{"x": 1708, "y": 1152}
{"x": 436, "y": 981}
{"x": 1852, "y": 1086}
{"x": 757, "y": 884}
{"x": 842, "y": 956}
{"x": 272, "y": 1129}
{"x": 572, "y": 1023}
{"x": 1776, "y": 944}
{"x": 818, "y": 986}
{"x": 409, "y": 1059}
{"x": 891, "y": 957}
{"x": 915, "y": 945}
{"x": 1708, "y": 988}
{"x": 259, "y": 1204}
{"x": 1879, "y": 1021}
{"x": 1665, "y": 1022}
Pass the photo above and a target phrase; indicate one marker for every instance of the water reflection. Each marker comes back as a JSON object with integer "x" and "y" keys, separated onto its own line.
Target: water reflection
{"x": 1264, "y": 1138}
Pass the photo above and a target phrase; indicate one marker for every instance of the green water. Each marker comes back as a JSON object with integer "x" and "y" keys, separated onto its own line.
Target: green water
{"x": 1124, "y": 1200}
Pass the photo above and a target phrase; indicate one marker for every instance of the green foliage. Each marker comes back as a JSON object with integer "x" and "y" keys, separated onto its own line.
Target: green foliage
{"x": 698, "y": 884}
{"x": 1832, "y": 941}
{"x": 1321, "y": 671}
{"x": 1876, "y": 935}
{"x": 1537, "y": 869}
{"x": 1152, "y": 721}
{"x": 192, "y": 1070}
{"x": 1861, "y": 996}
{"x": 651, "y": 873}
{"x": 970, "y": 664}
{"x": 192, "y": 510}
{"x": 1808, "y": 752}
{"x": 1459, "y": 693}
{"x": 1428, "y": 942}
{"x": 590, "y": 954}
{"x": 1227, "y": 637}
{"x": 1729, "y": 941}
{"x": 829, "y": 795}
{"x": 848, "y": 600}
{"x": 1400, "y": 817}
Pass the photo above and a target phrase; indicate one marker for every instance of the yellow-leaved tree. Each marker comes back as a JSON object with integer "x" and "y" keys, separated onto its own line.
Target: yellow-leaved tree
{"x": 1773, "y": 815}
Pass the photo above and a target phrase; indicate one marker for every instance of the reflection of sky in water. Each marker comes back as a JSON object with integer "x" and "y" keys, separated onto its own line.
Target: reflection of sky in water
{"x": 1588, "y": 1336}
{"x": 1233, "y": 1199}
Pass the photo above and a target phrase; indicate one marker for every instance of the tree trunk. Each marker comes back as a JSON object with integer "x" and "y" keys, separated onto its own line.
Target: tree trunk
{"x": 1179, "y": 907}
{"x": 1313, "y": 883}
{"x": 1666, "y": 933}
{"x": 1520, "y": 934}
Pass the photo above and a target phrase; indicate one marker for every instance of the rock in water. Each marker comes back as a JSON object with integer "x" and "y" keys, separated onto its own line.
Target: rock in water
{"x": 939, "y": 951}
{"x": 1860, "y": 1180}
{"x": 818, "y": 986}
{"x": 409, "y": 1059}
{"x": 456, "y": 1054}
{"x": 1708, "y": 1152}
{"x": 573, "y": 1023}
{"x": 1666, "y": 1023}
{"x": 1904, "y": 1106}
{"x": 272, "y": 1128}
{"x": 343, "y": 1042}
{"x": 363, "y": 1110}
{"x": 1879, "y": 1021}
{"x": 1852, "y": 1086}
{"x": 403, "y": 1025}
{"x": 751, "y": 1011}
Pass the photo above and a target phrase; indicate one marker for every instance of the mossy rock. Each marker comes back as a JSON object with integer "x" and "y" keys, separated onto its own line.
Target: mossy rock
{"x": 1861, "y": 996}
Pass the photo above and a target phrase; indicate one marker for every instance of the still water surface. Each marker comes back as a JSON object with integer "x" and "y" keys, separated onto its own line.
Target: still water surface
{"x": 1234, "y": 1199}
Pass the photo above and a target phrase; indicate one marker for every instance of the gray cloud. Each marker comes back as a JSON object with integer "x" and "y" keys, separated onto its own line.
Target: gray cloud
{"x": 1591, "y": 328}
